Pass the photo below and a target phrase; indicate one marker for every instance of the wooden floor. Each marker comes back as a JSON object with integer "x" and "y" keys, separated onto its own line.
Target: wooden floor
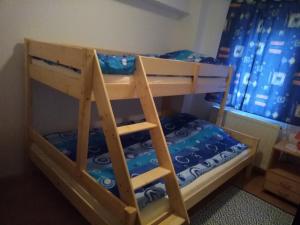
{"x": 33, "y": 200}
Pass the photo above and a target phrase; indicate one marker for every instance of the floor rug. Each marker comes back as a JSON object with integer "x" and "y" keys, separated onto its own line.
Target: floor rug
{"x": 237, "y": 207}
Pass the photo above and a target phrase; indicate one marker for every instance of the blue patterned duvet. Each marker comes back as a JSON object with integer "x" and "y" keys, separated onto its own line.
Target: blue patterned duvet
{"x": 196, "y": 147}
{"x": 125, "y": 64}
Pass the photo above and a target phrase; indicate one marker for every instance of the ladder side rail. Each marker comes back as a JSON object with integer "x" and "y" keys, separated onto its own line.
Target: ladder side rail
{"x": 112, "y": 138}
{"x": 158, "y": 139}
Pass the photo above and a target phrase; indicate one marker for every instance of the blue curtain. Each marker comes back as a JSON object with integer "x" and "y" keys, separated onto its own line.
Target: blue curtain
{"x": 261, "y": 40}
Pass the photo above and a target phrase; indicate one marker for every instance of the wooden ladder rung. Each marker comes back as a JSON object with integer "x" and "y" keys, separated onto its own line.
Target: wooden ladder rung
{"x": 148, "y": 177}
{"x": 127, "y": 129}
{"x": 158, "y": 219}
{"x": 172, "y": 219}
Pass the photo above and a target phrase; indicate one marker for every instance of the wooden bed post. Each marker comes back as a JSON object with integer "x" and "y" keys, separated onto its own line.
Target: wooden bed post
{"x": 28, "y": 97}
{"x": 220, "y": 117}
{"x": 195, "y": 77}
{"x": 84, "y": 109}
{"x": 166, "y": 105}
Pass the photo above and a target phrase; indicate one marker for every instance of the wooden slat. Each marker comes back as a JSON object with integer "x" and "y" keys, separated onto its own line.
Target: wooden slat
{"x": 158, "y": 218}
{"x": 62, "y": 54}
{"x": 127, "y": 129}
{"x": 66, "y": 83}
{"x": 170, "y": 89}
{"x": 211, "y": 70}
{"x": 148, "y": 177}
{"x": 156, "y": 66}
{"x": 210, "y": 85}
{"x": 204, "y": 85}
{"x": 173, "y": 219}
{"x": 84, "y": 115}
{"x": 125, "y": 91}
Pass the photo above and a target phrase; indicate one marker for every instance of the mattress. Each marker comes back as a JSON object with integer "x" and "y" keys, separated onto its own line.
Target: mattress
{"x": 195, "y": 146}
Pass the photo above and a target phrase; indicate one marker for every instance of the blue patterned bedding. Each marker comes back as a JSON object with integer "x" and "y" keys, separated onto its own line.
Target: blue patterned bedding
{"x": 113, "y": 64}
{"x": 196, "y": 147}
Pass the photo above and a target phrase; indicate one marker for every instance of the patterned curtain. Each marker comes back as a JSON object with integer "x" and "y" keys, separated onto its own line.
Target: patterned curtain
{"x": 261, "y": 40}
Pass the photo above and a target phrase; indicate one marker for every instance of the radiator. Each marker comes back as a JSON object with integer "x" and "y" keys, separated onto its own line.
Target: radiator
{"x": 266, "y": 131}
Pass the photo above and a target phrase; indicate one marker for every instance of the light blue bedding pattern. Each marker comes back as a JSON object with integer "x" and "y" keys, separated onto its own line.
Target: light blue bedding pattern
{"x": 115, "y": 64}
{"x": 189, "y": 56}
{"x": 195, "y": 146}
{"x": 125, "y": 64}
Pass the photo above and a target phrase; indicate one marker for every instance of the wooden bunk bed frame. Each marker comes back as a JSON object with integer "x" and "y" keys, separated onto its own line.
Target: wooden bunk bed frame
{"x": 93, "y": 201}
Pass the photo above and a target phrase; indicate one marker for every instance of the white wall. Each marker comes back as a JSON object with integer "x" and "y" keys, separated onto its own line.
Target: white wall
{"x": 212, "y": 21}
{"x": 210, "y": 26}
{"x": 102, "y": 23}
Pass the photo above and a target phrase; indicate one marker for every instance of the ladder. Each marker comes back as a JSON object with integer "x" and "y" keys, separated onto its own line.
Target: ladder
{"x": 165, "y": 170}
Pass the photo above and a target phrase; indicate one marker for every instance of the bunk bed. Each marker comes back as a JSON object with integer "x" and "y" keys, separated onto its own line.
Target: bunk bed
{"x": 76, "y": 71}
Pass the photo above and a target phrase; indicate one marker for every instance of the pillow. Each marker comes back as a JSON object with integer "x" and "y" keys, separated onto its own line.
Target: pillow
{"x": 116, "y": 64}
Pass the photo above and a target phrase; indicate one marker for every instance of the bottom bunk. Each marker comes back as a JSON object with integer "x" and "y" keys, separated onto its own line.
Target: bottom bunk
{"x": 204, "y": 157}
{"x": 195, "y": 146}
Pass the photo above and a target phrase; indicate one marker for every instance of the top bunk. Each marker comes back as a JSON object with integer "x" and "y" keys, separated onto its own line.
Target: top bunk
{"x": 63, "y": 67}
